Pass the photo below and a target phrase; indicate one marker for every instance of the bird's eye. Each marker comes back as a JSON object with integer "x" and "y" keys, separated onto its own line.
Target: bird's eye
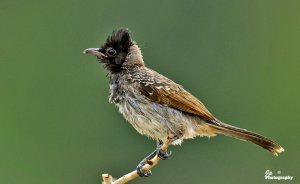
{"x": 111, "y": 52}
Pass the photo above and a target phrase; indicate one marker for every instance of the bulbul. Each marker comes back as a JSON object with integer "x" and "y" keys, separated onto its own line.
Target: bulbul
{"x": 157, "y": 106}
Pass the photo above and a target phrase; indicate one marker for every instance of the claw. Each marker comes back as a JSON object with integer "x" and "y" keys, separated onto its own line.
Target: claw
{"x": 141, "y": 172}
{"x": 163, "y": 154}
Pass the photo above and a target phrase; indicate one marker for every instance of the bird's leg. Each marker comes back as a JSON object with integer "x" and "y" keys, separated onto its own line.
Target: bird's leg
{"x": 160, "y": 153}
{"x": 163, "y": 154}
{"x": 139, "y": 168}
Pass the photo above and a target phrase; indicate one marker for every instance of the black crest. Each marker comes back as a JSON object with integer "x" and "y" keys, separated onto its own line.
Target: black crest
{"x": 119, "y": 39}
{"x": 116, "y": 49}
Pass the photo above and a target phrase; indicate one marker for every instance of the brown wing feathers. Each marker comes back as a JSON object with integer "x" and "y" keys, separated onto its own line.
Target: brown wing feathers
{"x": 168, "y": 93}
{"x": 177, "y": 98}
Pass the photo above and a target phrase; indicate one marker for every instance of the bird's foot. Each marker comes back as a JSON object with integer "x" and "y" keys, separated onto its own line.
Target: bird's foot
{"x": 139, "y": 168}
{"x": 140, "y": 171}
{"x": 163, "y": 154}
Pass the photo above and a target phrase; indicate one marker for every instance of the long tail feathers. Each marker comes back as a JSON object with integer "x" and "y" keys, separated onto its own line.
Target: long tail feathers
{"x": 246, "y": 135}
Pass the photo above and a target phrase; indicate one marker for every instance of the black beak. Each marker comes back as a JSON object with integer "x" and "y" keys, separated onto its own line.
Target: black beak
{"x": 95, "y": 51}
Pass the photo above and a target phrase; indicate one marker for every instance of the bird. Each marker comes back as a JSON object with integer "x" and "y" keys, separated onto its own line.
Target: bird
{"x": 155, "y": 105}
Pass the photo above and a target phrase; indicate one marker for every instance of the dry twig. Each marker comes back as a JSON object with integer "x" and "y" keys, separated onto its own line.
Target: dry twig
{"x": 108, "y": 179}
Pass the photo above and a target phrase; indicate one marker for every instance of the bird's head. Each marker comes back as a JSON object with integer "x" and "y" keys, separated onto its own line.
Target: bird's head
{"x": 119, "y": 51}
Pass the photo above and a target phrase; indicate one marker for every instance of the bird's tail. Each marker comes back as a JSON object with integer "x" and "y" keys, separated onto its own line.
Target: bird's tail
{"x": 246, "y": 135}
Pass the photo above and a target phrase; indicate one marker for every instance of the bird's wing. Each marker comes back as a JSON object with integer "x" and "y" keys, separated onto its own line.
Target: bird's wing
{"x": 166, "y": 92}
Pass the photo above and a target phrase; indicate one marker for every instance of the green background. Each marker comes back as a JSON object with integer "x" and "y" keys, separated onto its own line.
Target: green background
{"x": 241, "y": 58}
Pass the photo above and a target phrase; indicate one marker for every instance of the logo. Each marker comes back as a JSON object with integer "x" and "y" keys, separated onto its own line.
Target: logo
{"x": 269, "y": 176}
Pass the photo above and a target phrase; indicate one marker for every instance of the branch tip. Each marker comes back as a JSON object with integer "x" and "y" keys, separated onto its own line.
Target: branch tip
{"x": 105, "y": 175}
{"x": 108, "y": 179}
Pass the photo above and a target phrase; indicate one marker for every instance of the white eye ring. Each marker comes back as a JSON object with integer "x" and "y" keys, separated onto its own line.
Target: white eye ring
{"x": 111, "y": 52}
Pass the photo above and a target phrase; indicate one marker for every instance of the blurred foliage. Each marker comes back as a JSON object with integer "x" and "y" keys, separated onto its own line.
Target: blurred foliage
{"x": 241, "y": 58}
